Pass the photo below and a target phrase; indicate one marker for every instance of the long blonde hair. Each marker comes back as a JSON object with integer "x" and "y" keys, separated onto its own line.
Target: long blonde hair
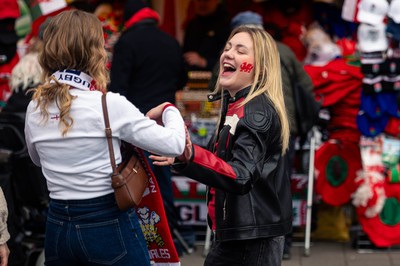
{"x": 267, "y": 75}
{"x": 72, "y": 40}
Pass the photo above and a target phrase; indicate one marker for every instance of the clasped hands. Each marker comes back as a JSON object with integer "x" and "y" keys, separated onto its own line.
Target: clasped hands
{"x": 156, "y": 114}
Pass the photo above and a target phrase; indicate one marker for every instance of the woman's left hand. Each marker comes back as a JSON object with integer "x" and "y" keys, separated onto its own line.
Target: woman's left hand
{"x": 184, "y": 157}
{"x": 162, "y": 160}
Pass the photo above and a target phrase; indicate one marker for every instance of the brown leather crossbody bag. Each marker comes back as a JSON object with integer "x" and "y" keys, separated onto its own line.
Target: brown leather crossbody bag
{"x": 129, "y": 179}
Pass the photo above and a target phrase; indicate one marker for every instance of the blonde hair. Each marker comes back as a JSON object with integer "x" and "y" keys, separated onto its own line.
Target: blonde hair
{"x": 267, "y": 75}
{"x": 27, "y": 73}
{"x": 72, "y": 40}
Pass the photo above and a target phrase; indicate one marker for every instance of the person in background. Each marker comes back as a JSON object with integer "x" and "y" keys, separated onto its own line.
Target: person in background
{"x": 244, "y": 167}
{"x": 26, "y": 183}
{"x": 205, "y": 35}
{"x": 148, "y": 68}
{"x": 292, "y": 71}
{"x": 4, "y": 235}
{"x": 64, "y": 131}
{"x": 147, "y": 65}
{"x": 9, "y": 12}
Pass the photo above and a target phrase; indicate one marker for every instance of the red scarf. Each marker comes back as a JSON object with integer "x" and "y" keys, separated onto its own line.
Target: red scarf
{"x": 144, "y": 13}
{"x": 154, "y": 223}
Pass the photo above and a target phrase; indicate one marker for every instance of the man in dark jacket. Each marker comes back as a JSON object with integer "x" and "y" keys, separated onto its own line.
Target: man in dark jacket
{"x": 148, "y": 68}
{"x": 147, "y": 65}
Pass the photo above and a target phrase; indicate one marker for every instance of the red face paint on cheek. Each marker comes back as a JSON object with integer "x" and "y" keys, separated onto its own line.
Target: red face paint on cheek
{"x": 246, "y": 67}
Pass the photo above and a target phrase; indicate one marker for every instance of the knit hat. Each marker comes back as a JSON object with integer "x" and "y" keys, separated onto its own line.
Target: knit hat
{"x": 370, "y": 104}
{"x": 388, "y": 104}
{"x": 372, "y": 11}
{"x": 372, "y": 38}
{"x": 132, "y": 7}
{"x": 394, "y": 11}
{"x": 393, "y": 30}
{"x": 246, "y": 18}
{"x": 371, "y": 127}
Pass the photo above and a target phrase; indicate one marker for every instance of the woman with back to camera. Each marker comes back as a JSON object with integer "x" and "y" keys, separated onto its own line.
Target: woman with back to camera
{"x": 248, "y": 196}
{"x": 65, "y": 136}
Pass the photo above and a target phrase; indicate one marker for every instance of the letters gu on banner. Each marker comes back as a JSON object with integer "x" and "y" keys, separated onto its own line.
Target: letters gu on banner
{"x": 190, "y": 200}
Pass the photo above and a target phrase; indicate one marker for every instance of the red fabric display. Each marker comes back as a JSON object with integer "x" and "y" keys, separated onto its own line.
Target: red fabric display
{"x": 335, "y": 81}
{"x": 154, "y": 224}
{"x": 369, "y": 196}
{"x": 336, "y": 167}
{"x": 384, "y": 229}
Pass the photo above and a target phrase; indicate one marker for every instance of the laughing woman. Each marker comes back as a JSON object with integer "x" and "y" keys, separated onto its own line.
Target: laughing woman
{"x": 248, "y": 196}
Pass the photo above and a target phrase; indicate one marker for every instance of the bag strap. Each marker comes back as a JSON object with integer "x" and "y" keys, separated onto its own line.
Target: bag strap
{"x": 108, "y": 133}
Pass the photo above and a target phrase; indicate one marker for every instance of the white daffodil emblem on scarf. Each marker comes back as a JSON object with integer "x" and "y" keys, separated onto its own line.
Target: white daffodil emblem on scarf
{"x": 232, "y": 122}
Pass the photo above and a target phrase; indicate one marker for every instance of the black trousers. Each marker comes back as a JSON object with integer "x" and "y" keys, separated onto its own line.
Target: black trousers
{"x": 253, "y": 252}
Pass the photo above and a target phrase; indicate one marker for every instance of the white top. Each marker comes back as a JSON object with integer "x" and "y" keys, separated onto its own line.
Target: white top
{"x": 77, "y": 166}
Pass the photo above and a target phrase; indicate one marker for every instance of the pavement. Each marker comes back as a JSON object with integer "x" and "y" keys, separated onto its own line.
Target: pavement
{"x": 320, "y": 254}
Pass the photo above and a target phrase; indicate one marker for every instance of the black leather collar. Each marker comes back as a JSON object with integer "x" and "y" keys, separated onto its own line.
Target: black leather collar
{"x": 240, "y": 94}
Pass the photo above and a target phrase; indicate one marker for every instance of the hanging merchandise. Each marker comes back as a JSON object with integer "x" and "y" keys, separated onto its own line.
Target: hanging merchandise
{"x": 336, "y": 167}
{"x": 372, "y": 38}
{"x": 42, "y": 10}
{"x": 393, "y": 174}
{"x": 391, "y": 153}
{"x": 335, "y": 81}
{"x": 350, "y": 10}
{"x": 371, "y": 127}
{"x": 378, "y": 44}
{"x": 320, "y": 47}
{"x": 393, "y": 127}
{"x": 394, "y": 11}
{"x": 372, "y": 11}
{"x": 369, "y": 196}
{"x": 339, "y": 85}
{"x": 384, "y": 229}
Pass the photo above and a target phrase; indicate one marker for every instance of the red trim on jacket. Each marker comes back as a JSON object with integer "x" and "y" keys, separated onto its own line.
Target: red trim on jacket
{"x": 209, "y": 160}
{"x": 236, "y": 108}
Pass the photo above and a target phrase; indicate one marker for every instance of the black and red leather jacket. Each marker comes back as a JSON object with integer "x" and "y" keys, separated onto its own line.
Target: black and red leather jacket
{"x": 248, "y": 192}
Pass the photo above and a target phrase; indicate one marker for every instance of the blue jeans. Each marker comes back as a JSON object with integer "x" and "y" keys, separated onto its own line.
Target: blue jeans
{"x": 252, "y": 252}
{"x": 93, "y": 232}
